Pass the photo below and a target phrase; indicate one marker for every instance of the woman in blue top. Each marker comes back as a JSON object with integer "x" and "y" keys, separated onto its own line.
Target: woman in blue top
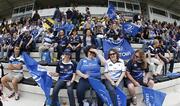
{"x": 66, "y": 72}
{"x": 137, "y": 74}
{"x": 88, "y": 67}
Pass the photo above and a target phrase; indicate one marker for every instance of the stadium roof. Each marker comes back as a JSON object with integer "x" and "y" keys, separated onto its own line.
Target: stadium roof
{"x": 6, "y": 6}
{"x": 173, "y": 5}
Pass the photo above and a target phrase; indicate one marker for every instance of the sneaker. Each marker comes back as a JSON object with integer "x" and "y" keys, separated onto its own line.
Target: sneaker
{"x": 16, "y": 96}
{"x": 134, "y": 100}
{"x": 11, "y": 94}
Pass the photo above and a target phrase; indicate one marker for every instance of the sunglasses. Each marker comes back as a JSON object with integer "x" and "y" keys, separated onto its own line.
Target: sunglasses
{"x": 92, "y": 52}
{"x": 112, "y": 54}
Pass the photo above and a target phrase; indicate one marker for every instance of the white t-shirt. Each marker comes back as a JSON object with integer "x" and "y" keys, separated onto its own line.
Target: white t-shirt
{"x": 115, "y": 69}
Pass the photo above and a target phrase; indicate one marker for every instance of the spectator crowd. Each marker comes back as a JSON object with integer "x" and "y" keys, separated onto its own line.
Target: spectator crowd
{"x": 161, "y": 49}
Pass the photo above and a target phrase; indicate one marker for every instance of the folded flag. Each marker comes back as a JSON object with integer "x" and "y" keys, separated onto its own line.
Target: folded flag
{"x": 121, "y": 97}
{"x": 153, "y": 97}
{"x": 100, "y": 89}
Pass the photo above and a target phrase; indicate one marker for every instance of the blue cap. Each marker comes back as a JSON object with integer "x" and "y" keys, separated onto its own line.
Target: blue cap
{"x": 67, "y": 52}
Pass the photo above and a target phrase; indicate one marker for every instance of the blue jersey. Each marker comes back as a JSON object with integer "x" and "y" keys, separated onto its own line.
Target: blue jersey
{"x": 66, "y": 70}
{"x": 90, "y": 67}
{"x": 135, "y": 70}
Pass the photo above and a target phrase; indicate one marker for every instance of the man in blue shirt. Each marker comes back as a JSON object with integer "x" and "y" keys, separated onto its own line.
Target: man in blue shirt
{"x": 66, "y": 70}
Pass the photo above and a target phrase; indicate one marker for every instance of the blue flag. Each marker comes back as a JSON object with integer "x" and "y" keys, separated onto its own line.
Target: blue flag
{"x": 153, "y": 97}
{"x": 111, "y": 12}
{"x": 100, "y": 89}
{"x": 130, "y": 28}
{"x": 39, "y": 75}
{"x": 121, "y": 97}
{"x": 124, "y": 48}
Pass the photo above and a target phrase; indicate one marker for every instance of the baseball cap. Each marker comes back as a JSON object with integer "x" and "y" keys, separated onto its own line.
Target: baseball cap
{"x": 67, "y": 52}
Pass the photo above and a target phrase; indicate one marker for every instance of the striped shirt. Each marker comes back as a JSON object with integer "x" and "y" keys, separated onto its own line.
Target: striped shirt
{"x": 16, "y": 60}
{"x": 48, "y": 39}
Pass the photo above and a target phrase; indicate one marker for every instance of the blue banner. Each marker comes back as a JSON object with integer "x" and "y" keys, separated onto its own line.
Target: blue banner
{"x": 153, "y": 97}
{"x": 111, "y": 12}
{"x": 130, "y": 28}
{"x": 121, "y": 97}
{"x": 100, "y": 89}
{"x": 39, "y": 75}
{"x": 124, "y": 48}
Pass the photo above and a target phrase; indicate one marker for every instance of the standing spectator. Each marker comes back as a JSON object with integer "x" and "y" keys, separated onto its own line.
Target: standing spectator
{"x": 69, "y": 14}
{"x": 61, "y": 43}
{"x": 137, "y": 74}
{"x": 16, "y": 73}
{"x": 74, "y": 16}
{"x": 75, "y": 43}
{"x": 114, "y": 73}
{"x": 66, "y": 70}
{"x": 57, "y": 15}
{"x": 36, "y": 16}
{"x": 88, "y": 13}
{"x": 88, "y": 67}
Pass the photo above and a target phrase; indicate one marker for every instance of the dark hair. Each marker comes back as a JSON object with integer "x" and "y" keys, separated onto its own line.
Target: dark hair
{"x": 75, "y": 29}
{"x": 50, "y": 30}
{"x": 115, "y": 51}
{"x": 62, "y": 30}
{"x": 20, "y": 49}
{"x": 89, "y": 30}
{"x": 86, "y": 49}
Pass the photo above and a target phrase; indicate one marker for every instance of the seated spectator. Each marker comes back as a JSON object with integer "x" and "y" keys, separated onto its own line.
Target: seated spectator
{"x": 154, "y": 59}
{"x": 89, "y": 38}
{"x": 68, "y": 27}
{"x": 66, "y": 72}
{"x": 114, "y": 73}
{"x": 6, "y": 45}
{"x": 15, "y": 75}
{"x": 137, "y": 74}
{"x": 112, "y": 31}
{"x": 75, "y": 43}
{"x": 26, "y": 42}
{"x": 166, "y": 60}
{"x": 48, "y": 43}
{"x": 61, "y": 43}
{"x": 88, "y": 67}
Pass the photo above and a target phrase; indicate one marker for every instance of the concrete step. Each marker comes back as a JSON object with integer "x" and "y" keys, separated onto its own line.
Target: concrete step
{"x": 31, "y": 93}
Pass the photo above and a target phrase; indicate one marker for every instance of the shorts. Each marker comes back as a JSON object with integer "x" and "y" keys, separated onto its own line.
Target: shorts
{"x": 140, "y": 81}
{"x": 18, "y": 75}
